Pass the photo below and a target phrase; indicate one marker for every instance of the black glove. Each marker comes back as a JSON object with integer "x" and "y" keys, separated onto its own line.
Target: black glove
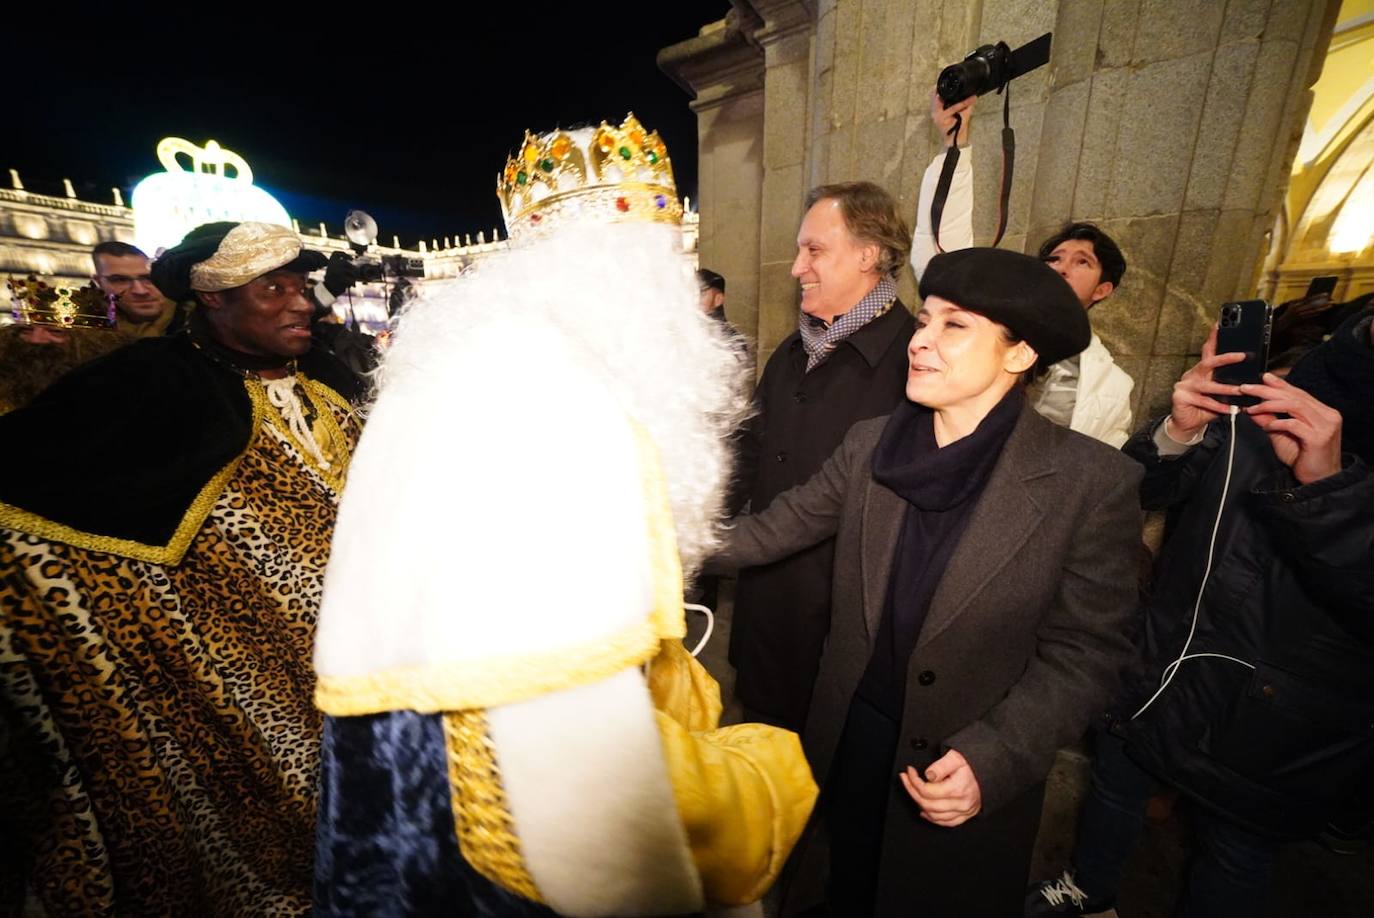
{"x": 340, "y": 273}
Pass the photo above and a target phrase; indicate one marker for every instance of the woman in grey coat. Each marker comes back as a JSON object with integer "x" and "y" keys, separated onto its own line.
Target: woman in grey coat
{"x": 984, "y": 583}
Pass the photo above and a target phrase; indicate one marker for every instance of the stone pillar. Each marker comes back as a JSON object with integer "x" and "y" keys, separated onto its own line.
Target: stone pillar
{"x": 723, "y": 70}
{"x": 1172, "y": 123}
{"x": 875, "y": 67}
{"x": 785, "y": 36}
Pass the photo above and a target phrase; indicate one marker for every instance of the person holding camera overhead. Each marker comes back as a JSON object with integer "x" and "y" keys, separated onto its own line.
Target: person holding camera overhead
{"x": 1088, "y": 392}
{"x": 984, "y": 578}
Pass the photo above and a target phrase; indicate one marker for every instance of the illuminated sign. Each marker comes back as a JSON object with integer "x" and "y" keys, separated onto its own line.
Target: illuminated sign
{"x": 169, "y": 204}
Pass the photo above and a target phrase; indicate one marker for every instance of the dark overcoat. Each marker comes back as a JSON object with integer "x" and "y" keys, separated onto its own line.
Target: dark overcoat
{"x": 1023, "y": 644}
{"x": 782, "y": 610}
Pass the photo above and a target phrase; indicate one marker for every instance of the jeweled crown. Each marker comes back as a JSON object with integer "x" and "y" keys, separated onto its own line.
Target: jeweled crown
{"x": 602, "y": 175}
{"x": 38, "y": 302}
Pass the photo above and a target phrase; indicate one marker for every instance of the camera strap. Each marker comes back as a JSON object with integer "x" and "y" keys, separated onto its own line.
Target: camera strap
{"x": 937, "y": 206}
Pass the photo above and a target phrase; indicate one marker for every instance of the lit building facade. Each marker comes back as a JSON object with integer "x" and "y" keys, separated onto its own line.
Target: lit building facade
{"x": 1326, "y": 225}
{"x": 52, "y": 237}
{"x": 1227, "y": 147}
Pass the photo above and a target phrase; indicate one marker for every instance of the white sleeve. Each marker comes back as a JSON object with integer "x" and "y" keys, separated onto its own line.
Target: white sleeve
{"x": 956, "y": 223}
{"x": 1110, "y": 417}
{"x": 1168, "y": 447}
{"x": 1117, "y": 423}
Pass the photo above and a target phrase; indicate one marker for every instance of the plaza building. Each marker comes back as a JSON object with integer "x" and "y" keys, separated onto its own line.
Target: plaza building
{"x": 51, "y": 237}
{"x": 1228, "y": 147}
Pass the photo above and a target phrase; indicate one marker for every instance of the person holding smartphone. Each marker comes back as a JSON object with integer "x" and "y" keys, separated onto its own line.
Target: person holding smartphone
{"x": 1255, "y": 691}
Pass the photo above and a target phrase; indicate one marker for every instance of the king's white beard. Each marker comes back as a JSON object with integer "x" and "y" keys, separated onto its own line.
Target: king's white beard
{"x": 627, "y": 301}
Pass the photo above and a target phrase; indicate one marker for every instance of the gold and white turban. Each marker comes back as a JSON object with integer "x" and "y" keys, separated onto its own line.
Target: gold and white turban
{"x": 247, "y": 251}
{"x": 220, "y": 256}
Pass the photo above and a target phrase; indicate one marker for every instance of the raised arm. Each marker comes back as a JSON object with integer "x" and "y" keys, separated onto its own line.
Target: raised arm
{"x": 956, "y": 225}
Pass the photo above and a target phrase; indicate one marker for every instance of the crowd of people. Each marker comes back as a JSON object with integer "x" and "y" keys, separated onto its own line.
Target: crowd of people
{"x": 294, "y": 626}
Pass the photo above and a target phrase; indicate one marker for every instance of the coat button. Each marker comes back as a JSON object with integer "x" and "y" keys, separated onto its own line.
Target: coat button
{"x": 926, "y": 678}
{"x": 782, "y": 456}
{"x": 799, "y": 397}
{"x": 919, "y": 743}
{"x": 1287, "y": 497}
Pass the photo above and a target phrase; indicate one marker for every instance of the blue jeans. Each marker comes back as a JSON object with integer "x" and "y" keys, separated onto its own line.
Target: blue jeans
{"x": 1230, "y": 867}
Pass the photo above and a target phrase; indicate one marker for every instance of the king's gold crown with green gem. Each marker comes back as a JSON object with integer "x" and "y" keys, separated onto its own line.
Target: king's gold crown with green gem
{"x": 604, "y": 174}
{"x": 60, "y": 305}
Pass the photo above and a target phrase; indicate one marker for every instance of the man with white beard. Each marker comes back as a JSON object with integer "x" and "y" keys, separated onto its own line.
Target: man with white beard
{"x": 512, "y": 725}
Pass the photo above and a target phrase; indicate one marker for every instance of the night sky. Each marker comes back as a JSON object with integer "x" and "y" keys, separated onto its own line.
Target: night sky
{"x": 408, "y": 115}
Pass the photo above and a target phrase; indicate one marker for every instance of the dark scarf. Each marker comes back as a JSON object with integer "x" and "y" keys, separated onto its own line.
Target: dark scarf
{"x": 941, "y": 486}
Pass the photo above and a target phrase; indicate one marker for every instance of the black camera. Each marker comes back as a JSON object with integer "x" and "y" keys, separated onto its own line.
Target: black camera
{"x": 394, "y": 265}
{"x": 990, "y": 68}
{"x": 361, "y": 231}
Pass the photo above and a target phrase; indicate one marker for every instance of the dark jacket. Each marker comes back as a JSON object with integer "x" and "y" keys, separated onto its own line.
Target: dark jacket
{"x": 1021, "y": 646}
{"x": 155, "y": 421}
{"x": 1340, "y": 374}
{"x": 1277, "y": 737}
{"x": 782, "y": 610}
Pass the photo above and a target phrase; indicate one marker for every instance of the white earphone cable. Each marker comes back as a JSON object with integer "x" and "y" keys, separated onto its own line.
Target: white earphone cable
{"x": 1168, "y": 675}
{"x": 710, "y": 625}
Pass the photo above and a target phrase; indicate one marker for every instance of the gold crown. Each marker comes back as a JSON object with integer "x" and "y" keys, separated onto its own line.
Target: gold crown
{"x": 604, "y": 175}
{"x": 37, "y": 302}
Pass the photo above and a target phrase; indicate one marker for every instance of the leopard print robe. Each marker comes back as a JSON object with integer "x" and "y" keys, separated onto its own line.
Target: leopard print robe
{"x": 159, "y": 746}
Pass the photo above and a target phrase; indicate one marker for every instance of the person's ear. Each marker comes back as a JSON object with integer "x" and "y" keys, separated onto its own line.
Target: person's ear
{"x": 869, "y": 260}
{"x": 1100, "y": 293}
{"x": 1019, "y": 358}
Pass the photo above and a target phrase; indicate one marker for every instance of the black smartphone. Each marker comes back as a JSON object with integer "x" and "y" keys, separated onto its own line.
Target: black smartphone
{"x": 1324, "y": 284}
{"x": 1243, "y": 328}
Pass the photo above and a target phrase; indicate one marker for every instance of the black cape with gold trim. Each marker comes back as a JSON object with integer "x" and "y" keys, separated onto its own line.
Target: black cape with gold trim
{"x": 156, "y": 421}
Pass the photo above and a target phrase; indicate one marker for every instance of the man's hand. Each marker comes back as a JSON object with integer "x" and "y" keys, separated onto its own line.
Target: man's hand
{"x": 949, "y": 794}
{"x": 944, "y": 117}
{"x": 339, "y": 274}
{"x": 1308, "y": 441}
{"x": 1193, "y": 406}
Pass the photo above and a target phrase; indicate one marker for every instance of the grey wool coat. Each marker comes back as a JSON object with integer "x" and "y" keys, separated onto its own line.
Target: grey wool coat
{"x": 1023, "y": 644}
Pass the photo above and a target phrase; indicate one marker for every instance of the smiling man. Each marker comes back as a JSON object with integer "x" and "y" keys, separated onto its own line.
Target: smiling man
{"x": 122, "y": 271}
{"x": 163, "y": 576}
{"x": 845, "y": 362}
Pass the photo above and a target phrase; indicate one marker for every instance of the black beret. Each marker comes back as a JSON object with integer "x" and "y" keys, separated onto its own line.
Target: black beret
{"x": 709, "y": 278}
{"x": 1022, "y": 293}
